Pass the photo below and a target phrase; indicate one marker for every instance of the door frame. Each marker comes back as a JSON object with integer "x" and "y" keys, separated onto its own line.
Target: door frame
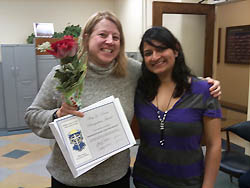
{"x": 160, "y": 8}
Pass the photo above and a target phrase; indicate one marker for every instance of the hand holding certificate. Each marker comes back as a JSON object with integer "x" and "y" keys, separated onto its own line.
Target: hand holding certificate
{"x": 102, "y": 132}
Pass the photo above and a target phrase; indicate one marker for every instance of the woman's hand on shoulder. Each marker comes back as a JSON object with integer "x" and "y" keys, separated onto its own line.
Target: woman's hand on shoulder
{"x": 215, "y": 89}
{"x": 66, "y": 109}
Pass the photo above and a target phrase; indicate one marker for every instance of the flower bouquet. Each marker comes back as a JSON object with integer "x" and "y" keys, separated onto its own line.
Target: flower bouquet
{"x": 73, "y": 68}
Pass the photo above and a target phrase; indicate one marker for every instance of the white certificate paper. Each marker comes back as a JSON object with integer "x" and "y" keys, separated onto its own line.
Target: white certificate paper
{"x": 86, "y": 142}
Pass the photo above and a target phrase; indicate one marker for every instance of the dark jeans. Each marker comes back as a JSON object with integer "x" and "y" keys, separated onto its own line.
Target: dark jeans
{"x": 244, "y": 180}
{"x": 121, "y": 183}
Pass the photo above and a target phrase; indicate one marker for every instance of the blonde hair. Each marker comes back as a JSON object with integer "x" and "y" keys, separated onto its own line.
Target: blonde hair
{"x": 120, "y": 69}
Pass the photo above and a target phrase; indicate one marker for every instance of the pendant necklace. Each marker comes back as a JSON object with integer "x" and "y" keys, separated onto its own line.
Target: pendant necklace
{"x": 162, "y": 120}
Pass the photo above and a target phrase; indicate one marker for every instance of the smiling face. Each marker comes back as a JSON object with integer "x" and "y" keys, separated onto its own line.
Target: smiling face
{"x": 159, "y": 59}
{"x": 104, "y": 43}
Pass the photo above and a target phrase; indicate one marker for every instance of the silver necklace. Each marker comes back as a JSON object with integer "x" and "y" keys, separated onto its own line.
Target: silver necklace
{"x": 162, "y": 120}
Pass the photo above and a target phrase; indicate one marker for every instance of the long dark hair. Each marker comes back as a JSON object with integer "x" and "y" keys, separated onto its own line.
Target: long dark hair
{"x": 149, "y": 83}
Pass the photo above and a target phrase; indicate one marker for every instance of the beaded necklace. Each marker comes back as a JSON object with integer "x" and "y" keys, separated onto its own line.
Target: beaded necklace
{"x": 162, "y": 120}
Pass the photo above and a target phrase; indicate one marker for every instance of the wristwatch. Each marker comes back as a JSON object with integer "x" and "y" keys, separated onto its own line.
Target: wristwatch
{"x": 54, "y": 116}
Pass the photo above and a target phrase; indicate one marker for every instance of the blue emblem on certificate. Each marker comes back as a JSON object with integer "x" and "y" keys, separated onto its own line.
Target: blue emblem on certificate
{"x": 76, "y": 138}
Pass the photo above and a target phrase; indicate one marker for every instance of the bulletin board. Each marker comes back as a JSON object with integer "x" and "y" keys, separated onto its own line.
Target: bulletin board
{"x": 238, "y": 45}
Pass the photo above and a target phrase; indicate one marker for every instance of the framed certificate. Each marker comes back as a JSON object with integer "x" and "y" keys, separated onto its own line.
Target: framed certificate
{"x": 237, "y": 49}
{"x": 86, "y": 142}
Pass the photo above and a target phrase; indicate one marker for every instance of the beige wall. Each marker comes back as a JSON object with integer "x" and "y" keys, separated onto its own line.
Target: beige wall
{"x": 234, "y": 77}
{"x": 130, "y": 15}
{"x": 17, "y": 16}
{"x": 188, "y": 29}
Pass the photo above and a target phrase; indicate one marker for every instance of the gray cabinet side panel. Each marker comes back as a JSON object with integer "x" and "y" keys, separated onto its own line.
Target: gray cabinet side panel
{"x": 9, "y": 82}
{"x": 2, "y": 110}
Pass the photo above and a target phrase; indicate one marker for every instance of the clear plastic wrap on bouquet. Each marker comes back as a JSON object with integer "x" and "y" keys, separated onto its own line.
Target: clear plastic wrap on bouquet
{"x": 73, "y": 97}
{"x": 73, "y": 90}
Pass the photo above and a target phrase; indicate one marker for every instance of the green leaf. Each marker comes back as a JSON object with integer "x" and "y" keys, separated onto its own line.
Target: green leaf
{"x": 67, "y": 60}
{"x": 30, "y": 38}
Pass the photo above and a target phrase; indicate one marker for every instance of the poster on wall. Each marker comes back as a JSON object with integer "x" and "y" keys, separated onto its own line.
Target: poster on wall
{"x": 238, "y": 45}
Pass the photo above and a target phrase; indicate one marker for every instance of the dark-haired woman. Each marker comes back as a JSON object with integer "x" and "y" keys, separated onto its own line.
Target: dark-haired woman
{"x": 174, "y": 109}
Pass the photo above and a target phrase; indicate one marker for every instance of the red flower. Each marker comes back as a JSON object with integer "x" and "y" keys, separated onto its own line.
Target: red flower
{"x": 67, "y": 47}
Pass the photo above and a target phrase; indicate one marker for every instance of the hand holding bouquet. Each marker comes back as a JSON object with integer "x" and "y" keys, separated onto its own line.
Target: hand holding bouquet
{"x": 72, "y": 71}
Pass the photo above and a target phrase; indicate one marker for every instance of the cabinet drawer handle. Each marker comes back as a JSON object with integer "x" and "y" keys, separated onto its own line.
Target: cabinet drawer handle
{"x": 26, "y": 98}
{"x": 26, "y": 82}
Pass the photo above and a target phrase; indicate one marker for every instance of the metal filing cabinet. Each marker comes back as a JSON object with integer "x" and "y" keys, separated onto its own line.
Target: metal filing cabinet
{"x": 44, "y": 65}
{"x": 19, "y": 73}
